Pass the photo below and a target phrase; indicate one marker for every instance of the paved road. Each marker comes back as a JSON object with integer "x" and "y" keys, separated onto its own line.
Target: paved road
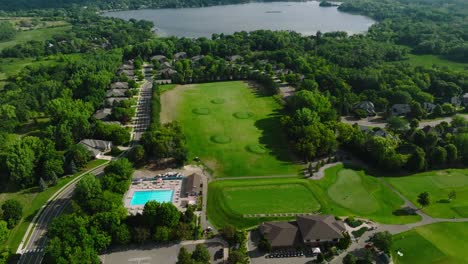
{"x": 143, "y": 113}
{"x": 33, "y": 251}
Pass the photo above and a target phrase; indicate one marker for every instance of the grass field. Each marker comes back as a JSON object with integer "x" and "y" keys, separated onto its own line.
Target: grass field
{"x": 438, "y": 184}
{"x": 429, "y": 60}
{"x": 36, "y": 34}
{"x": 437, "y": 243}
{"x": 351, "y": 192}
{"x": 342, "y": 192}
{"x": 228, "y": 200}
{"x": 233, "y": 129}
{"x": 32, "y": 200}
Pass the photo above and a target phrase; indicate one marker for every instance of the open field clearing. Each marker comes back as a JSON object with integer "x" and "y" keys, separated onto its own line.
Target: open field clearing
{"x": 232, "y": 128}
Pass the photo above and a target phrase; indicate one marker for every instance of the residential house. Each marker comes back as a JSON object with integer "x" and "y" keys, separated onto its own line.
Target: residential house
{"x": 117, "y": 93}
{"x": 429, "y": 107}
{"x": 366, "y": 106}
{"x": 400, "y": 109}
{"x": 111, "y": 100}
{"x": 310, "y": 230}
{"x": 167, "y": 73}
{"x": 127, "y": 66}
{"x": 159, "y": 58}
{"x": 96, "y": 147}
{"x": 103, "y": 114}
{"x": 180, "y": 55}
{"x": 166, "y": 65}
{"x": 130, "y": 73}
{"x": 119, "y": 85}
{"x": 465, "y": 99}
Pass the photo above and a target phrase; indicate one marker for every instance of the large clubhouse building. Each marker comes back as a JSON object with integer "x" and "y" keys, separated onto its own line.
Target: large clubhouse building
{"x": 311, "y": 230}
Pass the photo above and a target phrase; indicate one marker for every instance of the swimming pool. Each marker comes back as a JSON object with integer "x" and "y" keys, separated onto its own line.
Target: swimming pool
{"x": 142, "y": 197}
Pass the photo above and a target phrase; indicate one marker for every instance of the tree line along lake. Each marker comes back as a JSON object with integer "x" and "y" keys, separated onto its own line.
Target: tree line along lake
{"x": 303, "y": 17}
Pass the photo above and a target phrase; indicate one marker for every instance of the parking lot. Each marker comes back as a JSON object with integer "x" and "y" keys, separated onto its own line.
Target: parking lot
{"x": 156, "y": 254}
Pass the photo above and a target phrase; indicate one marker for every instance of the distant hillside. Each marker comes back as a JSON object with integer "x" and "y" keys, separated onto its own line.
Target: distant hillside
{"x": 9, "y": 5}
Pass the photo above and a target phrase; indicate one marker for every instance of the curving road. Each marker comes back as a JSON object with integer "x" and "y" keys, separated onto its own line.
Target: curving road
{"x": 33, "y": 250}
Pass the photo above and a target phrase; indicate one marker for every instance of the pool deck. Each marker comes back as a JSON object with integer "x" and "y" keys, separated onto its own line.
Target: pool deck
{"x": 174, "y": 185}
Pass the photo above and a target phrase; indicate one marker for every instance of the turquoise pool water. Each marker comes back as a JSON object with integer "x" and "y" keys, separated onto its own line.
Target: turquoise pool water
{"x": 142, "y": 197}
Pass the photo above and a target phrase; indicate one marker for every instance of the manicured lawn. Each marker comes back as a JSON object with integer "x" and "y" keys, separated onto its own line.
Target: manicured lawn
{"x": 351, "y": 192}
{"x": 436, "y": 243}
{"x": 438, "y": 184}
{"x": 32, "y": 200}
{"x": 271, "y": 199}
{"x": 36, "y": 34}
{"x": 429, "y": 60}
{"x": 234, "y": 130}
{"x": 229, "y": 200}
{"x": 342, "y": 192}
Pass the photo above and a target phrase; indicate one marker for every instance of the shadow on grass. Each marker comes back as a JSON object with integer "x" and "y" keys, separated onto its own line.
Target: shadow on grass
{"x": 405, "y": 211}
{"x": 444, "y": 201}
{"x": 273, "y": 137}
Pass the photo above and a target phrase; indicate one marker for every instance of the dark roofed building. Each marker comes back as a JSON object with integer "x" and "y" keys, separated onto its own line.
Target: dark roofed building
{"x": 159, "y": 58}
{"x": 117, "y": 93}
{"x": 281, "y": 234}
{"x": 320, "y": 228}
{"x": 180, "y": 55}
{"x": 311, "y": 230}
{"x": 103, "y": 114}
{"x": 119, "y": 85}
{"x": 194, "y": 185}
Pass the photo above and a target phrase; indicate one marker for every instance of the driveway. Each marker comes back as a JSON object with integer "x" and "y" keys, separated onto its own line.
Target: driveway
{"x": 157, "y": 254}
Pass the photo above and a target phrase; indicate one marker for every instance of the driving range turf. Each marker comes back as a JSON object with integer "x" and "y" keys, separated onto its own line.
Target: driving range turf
{"x": 232, "y": 128}
{"x": 435, "y": 243}
{"x": 342, "y": 192}
{"x": 438, "y": 184}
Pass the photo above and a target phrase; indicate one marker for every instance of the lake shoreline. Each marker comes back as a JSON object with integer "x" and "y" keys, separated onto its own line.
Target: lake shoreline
{"x": 304, "y": 17}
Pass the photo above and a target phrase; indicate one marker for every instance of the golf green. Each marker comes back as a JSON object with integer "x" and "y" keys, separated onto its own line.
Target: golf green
{"x": 232, "y": 129}
{"x": 438, "y": 184}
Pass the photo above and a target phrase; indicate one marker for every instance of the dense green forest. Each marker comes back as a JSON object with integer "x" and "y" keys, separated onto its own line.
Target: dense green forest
{"x": 331, "y": 71}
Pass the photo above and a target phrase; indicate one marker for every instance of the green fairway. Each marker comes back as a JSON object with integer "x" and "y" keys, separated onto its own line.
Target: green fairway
{"x": 342, "y": 192}
{"x": 228, "y": 201}
{"x": 36, "y": 34}
{"x": 234, "y": 130}
{"x": 430, "y": 60}
{"x": 438, "y": 184}
{"x": 436, "y": 243}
